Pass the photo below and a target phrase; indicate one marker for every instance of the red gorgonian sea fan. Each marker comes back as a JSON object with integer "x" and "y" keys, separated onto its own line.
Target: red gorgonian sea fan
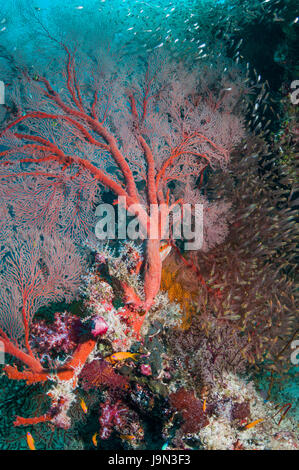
{"x": 35, "y": 270}
{"x": 137, "y": 131}
{"x": 191, "y": 409}
{"x": 100, "y": 373}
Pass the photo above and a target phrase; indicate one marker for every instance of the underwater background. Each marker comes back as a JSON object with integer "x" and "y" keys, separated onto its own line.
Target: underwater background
{"x": 213, "y": 365}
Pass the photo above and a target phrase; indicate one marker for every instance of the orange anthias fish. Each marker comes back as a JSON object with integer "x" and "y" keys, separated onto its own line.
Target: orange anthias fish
{"x": 204, "y": 407}
{"x": 127, "y": 437}
{"x": 94, "y": 439}
{"x": 30, "y": 441}
{"x": 254, "y": 423}
{"x": 83, "y": 406}
{"x": 121, "y": 356}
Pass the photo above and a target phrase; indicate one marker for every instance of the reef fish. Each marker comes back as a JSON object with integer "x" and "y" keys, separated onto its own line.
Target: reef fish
{"x": 121, "y": 356}
{"x": 94, "y": 439}
{"x": 30, "y": 441}
{"x": 127, "y": 437}
{"x": 254, "y": 423}
{"x": 83, "y": 406}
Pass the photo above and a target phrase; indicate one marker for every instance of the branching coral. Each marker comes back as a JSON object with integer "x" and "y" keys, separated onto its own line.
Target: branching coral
{"x": 101, "y": 374}
{"x": 149, "y": 138}
{"x": 151, "y": 128}
{"x": 36, "y": 270}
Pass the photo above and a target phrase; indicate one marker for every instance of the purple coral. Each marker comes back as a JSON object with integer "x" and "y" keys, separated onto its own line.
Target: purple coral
{"x": 113, "y": 415}
{"x": 59, "y": 336}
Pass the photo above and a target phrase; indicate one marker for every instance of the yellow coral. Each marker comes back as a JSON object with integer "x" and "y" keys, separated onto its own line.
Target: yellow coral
{"x": 177, "y": 293}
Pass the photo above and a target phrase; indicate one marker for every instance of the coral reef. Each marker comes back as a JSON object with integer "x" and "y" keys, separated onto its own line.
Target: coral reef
{"x": 119, "y": 329}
